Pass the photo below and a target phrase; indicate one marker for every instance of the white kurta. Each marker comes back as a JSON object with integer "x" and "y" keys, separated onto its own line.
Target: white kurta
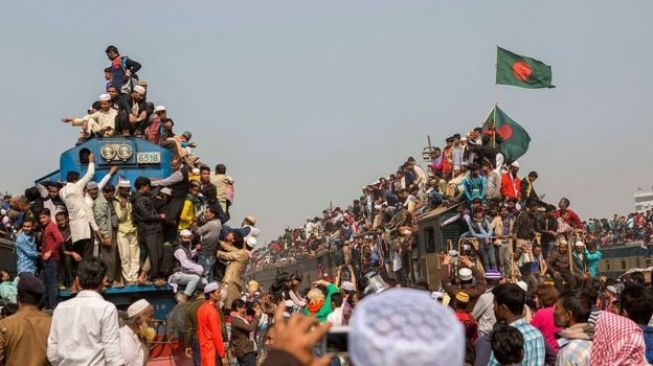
{"x": 131, "y": 347}
{"x": 72, "y": 195}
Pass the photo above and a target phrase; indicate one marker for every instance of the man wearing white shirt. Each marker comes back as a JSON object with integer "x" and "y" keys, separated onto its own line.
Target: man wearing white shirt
{"x": 80, "y": 215}
{"x": 139, "y": 316}
{"x": 336, "y": 318}
{"x": 84, "y": 330}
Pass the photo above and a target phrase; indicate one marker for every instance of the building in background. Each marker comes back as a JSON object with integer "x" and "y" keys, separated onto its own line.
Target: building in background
{"x": 643, "y": 201}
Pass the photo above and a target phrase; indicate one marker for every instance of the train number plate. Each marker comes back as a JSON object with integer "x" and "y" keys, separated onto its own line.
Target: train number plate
{"x": 148, "y": 158}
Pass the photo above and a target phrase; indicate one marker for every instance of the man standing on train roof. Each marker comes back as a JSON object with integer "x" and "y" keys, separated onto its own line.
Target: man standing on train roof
{"x": 179, "y": 184}
{"x": 79, "y": 213}
{"x": 122, "y": 69}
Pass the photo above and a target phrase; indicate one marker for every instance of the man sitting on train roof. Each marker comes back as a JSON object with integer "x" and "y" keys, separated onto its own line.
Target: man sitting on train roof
{"x": 133, "y": 113}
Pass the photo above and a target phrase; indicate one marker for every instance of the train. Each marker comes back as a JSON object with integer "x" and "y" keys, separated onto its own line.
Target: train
{"x": 134, "y": 157}
{"x": 433, "y": 240}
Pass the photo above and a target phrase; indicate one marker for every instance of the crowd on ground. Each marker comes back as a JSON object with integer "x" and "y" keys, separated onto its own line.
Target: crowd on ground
{"x": 521, "y": 288}
{"x": 508, "y": 324}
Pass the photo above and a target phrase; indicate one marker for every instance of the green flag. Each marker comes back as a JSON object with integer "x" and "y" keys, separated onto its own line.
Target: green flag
{"x": 521, "y": 71}
{"x": 515, "y": 138}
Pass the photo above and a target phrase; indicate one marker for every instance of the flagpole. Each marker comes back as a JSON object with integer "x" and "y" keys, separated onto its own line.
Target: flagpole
{"x": 496, "y": 86}
{"x": 496, "y": 97}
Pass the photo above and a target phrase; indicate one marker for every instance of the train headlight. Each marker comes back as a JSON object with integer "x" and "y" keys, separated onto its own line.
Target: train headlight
{"x": 108, "y": 152}
{"x": 124, "y": 152}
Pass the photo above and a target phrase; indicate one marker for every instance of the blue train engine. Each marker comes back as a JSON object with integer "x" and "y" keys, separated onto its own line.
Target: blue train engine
{"x": 134, "y": 157}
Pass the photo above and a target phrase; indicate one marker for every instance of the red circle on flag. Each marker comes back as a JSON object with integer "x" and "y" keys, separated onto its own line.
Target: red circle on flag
{"x": 505, "y": 131}
{"x": 521, "y": 70}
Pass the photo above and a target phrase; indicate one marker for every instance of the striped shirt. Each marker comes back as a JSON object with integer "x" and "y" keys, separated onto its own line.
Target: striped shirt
{"x": 534, "y": 350}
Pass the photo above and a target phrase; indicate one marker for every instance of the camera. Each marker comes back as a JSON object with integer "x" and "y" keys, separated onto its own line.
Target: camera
{"x": 335, "y": 341}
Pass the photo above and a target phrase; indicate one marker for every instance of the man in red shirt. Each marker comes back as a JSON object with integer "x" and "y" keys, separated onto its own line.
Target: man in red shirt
{"x": 209, "y": 329}
{"x": 572, "y": 217}
{"x": 510, "y": 183}
{"x": 52, "y": 242}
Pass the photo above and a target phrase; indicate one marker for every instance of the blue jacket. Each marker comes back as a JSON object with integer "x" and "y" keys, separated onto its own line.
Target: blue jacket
{"x": 26, "y": 253}
{"x": 474, "y": 188}
{"x": 593, "y": 260}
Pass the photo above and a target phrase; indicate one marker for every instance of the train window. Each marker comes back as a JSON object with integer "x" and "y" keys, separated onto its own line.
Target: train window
{"x": 648, "y": 261}
{"x": 429, "y": 245}
{"x": 623, "y": 264}
{"x": 607, "y": 264}
{"x": 637, "y": 264}
{"x": 83, "y": 156}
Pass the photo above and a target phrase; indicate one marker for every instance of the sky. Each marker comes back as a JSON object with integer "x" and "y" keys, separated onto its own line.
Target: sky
{"x": 307, "y": 101}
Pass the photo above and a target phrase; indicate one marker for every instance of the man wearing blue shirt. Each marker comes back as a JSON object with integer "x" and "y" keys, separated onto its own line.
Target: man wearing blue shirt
{"x": 26, "y": 251}
{"x": 475, "y": 184}
{"x": 509, "y": 302}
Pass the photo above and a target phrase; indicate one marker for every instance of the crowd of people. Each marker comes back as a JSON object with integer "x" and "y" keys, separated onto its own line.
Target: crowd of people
{"x": 522, "y": 288}
{"x": 508, "y": 324}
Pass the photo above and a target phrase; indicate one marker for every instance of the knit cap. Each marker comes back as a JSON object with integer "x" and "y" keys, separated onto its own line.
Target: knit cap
{"x": 404, "y": 327}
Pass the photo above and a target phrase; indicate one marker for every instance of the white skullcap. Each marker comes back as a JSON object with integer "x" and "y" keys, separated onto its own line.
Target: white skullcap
{"x": 523, "y": 285}
{"x": 137, "y": 308}
{"x": 167, "y": 191}
{"x": 465, "y": 274}
{"x": 124, "y": 183}
{"x": 104, "y": 98}
{"x": 405, "y": 326}
{"x": 580, "y": 244}
{"x": 251, "y": 219}
{"x": 139, "y": 89}
{"x": 159, "y": 108}
{"x": 348, "y": 286}
{"x": 91, "y": 185}
{"x": 515, "y": 164}
{"x": 213, "y": 286}
{"x": 251, "y": 242}
{"x": 185, "y": 232}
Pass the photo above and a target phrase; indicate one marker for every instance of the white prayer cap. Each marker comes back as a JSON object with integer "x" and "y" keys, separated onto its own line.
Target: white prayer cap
{"x": 159, "y": 108}
{"x": 405, "y": 324}
{"x": 185, "y": 233}
{"x": 348, "y": 286}
{"x": 515, "y": 164}
{"x": 91, "y": 185}
{"x": 465, "y": 274}
{"x": 580, "y": 244}
{"x": 124, "y": 183}
{"x": 251, "y": 242}
{"x": 137, "y": 308}
{"x": 523, "y": 285}
{"x": 251, "y": 219}
{"x": 139, "y": 89}
{"x": 213, "y": 286}
{"x": 104, "y": 98}
{"x": 167, "y": 191}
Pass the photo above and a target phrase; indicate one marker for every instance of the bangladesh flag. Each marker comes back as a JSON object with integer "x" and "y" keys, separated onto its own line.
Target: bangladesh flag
{"x": 521, "y": 71}
{"x": 515, "y": 138}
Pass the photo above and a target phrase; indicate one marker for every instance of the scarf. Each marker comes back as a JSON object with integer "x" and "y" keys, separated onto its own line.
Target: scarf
{"x": 314, "y": 307}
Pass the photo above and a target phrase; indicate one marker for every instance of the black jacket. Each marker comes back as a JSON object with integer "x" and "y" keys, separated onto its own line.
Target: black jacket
{"x": 144, "y": 214}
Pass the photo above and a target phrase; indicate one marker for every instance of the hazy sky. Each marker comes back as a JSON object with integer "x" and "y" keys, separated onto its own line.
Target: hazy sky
{"x": 307, "y": 101}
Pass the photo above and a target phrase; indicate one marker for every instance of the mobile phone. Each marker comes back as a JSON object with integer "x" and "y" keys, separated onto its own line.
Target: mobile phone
{"x": 335, "y": 341}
